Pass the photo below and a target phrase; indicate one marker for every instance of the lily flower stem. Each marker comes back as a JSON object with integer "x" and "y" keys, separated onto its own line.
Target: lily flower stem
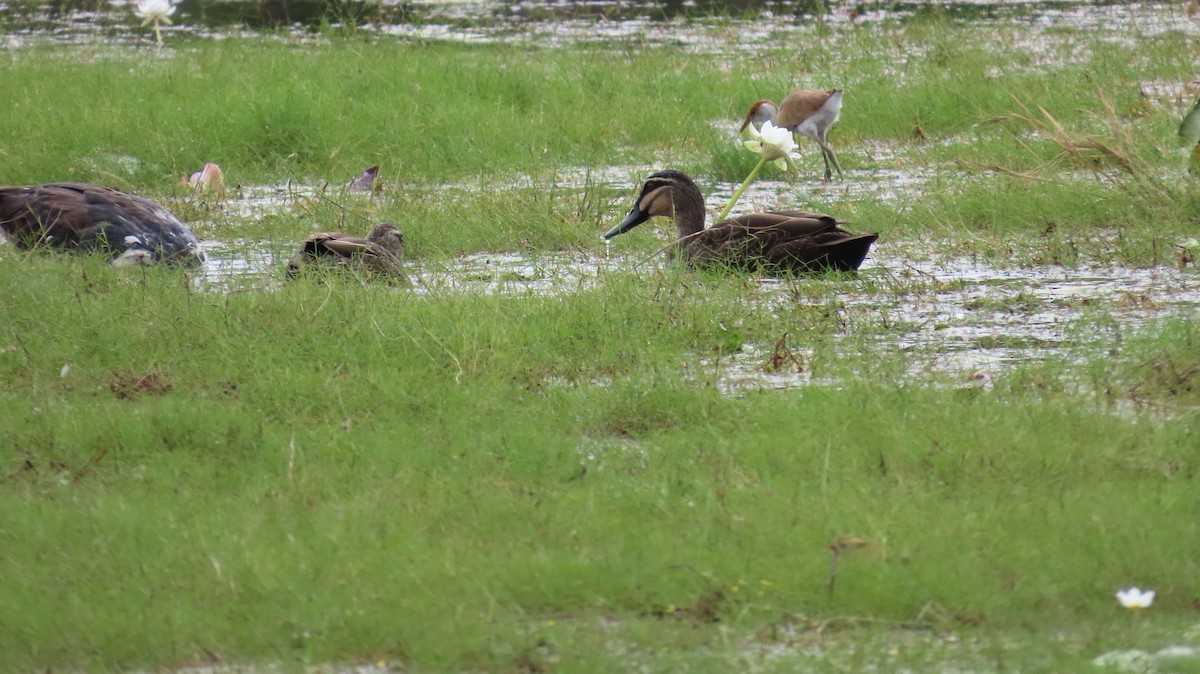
{"x": 738, "y": 194}
{"x": 157, "y": 34}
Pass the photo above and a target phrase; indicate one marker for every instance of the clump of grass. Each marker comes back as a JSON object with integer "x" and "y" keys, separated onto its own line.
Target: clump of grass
{"x": 1113, "y": 157}
{"x": 1169, "y": 376}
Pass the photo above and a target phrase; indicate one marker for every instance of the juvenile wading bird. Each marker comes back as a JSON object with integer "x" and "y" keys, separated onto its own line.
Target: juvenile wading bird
{"x": 208, "y": 179}
{"x": 773, "y": 241}
{"x": 808, "y": 112}
{"x": 83, "y": 217}
{"x": 381, "y": 253}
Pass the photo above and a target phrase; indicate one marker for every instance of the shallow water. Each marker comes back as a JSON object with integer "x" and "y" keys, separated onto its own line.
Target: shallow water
{"x": 959, "y": 319}
{"x": 701, "y": 27}
{"x": 965, "y": 321}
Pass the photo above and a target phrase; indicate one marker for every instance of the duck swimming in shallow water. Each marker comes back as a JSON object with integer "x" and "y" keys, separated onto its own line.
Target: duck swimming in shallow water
{"x": 84, "y": 217}
{"x": 381, "y": 253}
{"x": 773, "y": 241}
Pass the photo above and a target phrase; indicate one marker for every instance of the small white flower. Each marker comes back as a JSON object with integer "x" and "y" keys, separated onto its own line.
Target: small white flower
{"x": 773, "y": 143}
{"x": 1134, "y": 599}
{"x": 157, "y": 11}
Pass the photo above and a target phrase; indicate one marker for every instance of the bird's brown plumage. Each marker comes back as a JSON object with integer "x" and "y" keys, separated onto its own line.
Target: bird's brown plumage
{"x": 380, "y": 254}
{"x": 84, "y": 217}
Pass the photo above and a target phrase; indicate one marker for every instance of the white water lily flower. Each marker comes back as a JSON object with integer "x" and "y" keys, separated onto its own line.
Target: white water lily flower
{"x": 774, "y": 143}
{"x": 1135, "y": 599}
{"x": 157, "y": 11}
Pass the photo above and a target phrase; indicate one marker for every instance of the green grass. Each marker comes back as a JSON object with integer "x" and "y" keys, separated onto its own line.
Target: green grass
{"x": 339, "y": 472}
{"x": 328, "y": 472}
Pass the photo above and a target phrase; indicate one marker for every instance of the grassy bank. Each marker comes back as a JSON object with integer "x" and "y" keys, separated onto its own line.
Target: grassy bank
{"x": 348, "y": 473}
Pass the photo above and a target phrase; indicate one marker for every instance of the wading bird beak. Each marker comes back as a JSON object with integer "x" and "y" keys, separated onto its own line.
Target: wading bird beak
{"x": 636, "y": 217}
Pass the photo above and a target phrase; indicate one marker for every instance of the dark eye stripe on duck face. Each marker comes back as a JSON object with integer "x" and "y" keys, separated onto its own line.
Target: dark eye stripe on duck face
{"x": 660, "y": 201}
{"x": 657, "y": 194}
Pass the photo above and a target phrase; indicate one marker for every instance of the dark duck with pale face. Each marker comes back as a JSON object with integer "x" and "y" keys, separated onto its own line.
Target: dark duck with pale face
{"x": 380, "y": 254}
{"x": 773, "y": 241}
{"x": 82, "y": 217}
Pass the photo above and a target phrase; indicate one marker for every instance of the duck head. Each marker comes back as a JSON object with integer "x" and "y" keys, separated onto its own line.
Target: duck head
{"x": 656, "y": 198}
{"x": 389, "y": 236}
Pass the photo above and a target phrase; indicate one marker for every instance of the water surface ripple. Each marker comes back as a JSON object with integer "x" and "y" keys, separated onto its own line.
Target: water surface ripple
{"x": 609, "y": 24}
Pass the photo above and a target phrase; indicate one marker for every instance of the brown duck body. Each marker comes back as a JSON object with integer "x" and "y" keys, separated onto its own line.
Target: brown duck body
{"x": 84, "y": 217}
{"x": 380, "y": 254}
{"x": 772, "y": 241}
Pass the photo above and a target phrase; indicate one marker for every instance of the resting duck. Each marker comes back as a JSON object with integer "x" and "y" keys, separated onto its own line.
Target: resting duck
{"x": 83, "y": 217}
{"x": 774, "y": 241}
{"x": 381, "y": 253}
{"x": 808, "y": 112}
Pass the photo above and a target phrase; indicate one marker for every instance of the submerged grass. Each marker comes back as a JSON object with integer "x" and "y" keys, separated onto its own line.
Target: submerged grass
{"x": 323, "y": 471}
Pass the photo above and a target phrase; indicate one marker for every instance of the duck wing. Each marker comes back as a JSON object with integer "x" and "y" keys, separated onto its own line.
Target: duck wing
{"x": 345, "y": 250}
{"x": 833, "y": 250}
{"x": 337, "y": 245}
{"x": 780, "y": 240}
{"x": 124, "y": 223}
{"x": 745, "y": 242}
{"x": 50, "y": 215}
{"x": 802, "y": 241}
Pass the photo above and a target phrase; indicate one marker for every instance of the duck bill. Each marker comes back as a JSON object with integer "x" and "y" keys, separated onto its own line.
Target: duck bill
{"x": 636, "y": 217}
